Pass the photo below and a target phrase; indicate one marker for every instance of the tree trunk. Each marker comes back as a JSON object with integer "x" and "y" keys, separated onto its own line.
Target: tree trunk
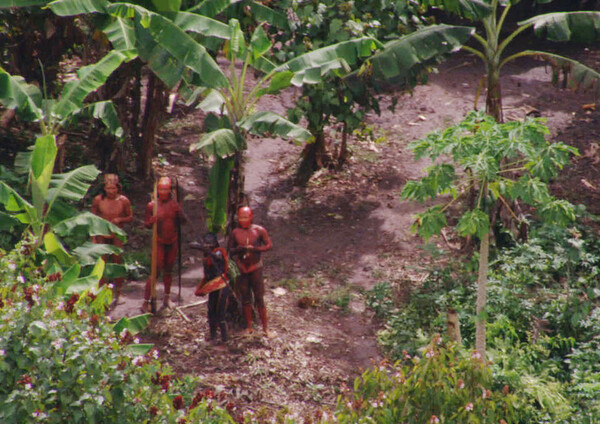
{"x": 343, "y": 156}
{"x": 484, "y": 251}
{"x": 312, "y": 159}
{"x": 154, "y": 106}
{"x": 237, "y": 197}
{"x": 493, "y": 101}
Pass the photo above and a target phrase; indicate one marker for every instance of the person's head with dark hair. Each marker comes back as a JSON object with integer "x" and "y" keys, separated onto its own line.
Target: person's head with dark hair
{"x": 210, "y": 241}
{"x": 111, "y": 186}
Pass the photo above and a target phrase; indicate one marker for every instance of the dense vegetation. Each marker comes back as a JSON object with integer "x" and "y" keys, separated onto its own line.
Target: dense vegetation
{"x": 63, "y": 360}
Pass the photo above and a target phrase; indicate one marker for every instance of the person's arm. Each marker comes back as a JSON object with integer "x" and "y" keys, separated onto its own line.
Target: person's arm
{"x": 150, "y": 219}
{"x": 181, "y": 216}
{"x": 266, "y": 241}
{"x": 127, "y": 213}
{"x": 96, "y": 205}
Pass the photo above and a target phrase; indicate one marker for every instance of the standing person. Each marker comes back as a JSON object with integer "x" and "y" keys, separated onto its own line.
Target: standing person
{"x": 168, "y": 211}
{"x": 115, "y": 208}
{"x": 215, "y": 275}
{"x": 246, "y": 244}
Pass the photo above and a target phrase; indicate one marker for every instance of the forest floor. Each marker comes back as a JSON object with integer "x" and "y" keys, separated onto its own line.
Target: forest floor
{"x": 336, "y": 238}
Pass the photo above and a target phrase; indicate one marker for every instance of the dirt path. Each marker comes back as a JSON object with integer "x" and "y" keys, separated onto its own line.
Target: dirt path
{"x": 332, "y": 240}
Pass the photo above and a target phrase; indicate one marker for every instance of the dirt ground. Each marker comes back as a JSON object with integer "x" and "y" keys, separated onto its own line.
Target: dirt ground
{"x": 336, "y": 238}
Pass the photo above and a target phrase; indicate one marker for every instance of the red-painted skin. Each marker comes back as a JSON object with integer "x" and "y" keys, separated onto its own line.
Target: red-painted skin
{"x": 116, "y": 208}
{"x": 168, "y": 211}
{"x": 246, "y": 245}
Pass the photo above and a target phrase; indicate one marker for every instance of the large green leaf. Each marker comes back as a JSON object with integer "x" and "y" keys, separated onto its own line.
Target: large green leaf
{"x": 583, "y": 27}
{"x": 13, "y": 202}
{"x": 133, "y": 324}
{"x": 201, "y": 25}
{"x": 580, "y": 77}
{"x": 349, "y": 51}
{"x": 475, "y": 10}
{"x": 42, "y": 164}
{"x": 263, "y": 13}
{"x": 88, "y": 253}
{"x": 77, "y": 7}
{"x": 176, "y": 42}
{"x": 210, "y": 7}
{"x": 473, "y": 222}
{"x": 107, "y": 113}
{"x": 89, "y": 79}
{"x": 402, "y": 60}
{"x": 220, "y": 143}
{"x": 72, "y": 185}
{"x": 216, "y": 199}
{"x": 7, "y": 222}
{"x": 5, "y": 4}
{"x": 121, "y": 33}
{"x": 25, "y": 98}
{"x": 140, "y": 349}
{"x": 95, "y": 226}
{"x": 166, "y": 5}
{"x": 53, "y": 246}
{"x": 264, "y": 122}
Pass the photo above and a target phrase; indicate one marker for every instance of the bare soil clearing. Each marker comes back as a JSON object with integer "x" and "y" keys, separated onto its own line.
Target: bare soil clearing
{"x": 337, "y": 237}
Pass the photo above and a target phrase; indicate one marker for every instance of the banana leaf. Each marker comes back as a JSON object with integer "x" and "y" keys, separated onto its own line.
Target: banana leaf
{"x": 133, "y": 324}
{"x": 201, "y": 25}
{"x": 13, "y": 202}
{"x": 402, "y": 60}
{"x": 218, "y": 190}
{"x": 7, "y": 222}
{"x": 107, "y": 113}
{"x": 210, "y": 7}
{"x": 264, "y": 122}
{"x": 25, "y": 98}
{"x": 89, "y": 79}
{"x": 42, "y": 165}
{"x": 175, "y": 42}
{"x": 582, "y": 27}
{"x": 263, "y": 13}
{"x": 54, "y": 247}
{"x": 88, "y": 253}
{"x": 580, "y": 77}
{"x": 6, "y": 4}
{"x": 474, "y": 10}
{"x": 72, "y": 185}
{"x": 121, "y": 33}
{"x": 77, "y": 7}
{"x": 139, "y": 349}
{"x": 220, "y": 143}
{"x": 93, "y": 224}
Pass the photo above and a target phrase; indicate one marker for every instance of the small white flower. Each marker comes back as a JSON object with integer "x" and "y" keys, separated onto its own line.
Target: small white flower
{"x": 21, "y": 279}
{"x": 52, "y": 323}
{"x": 36, "y": 288}
{"x": 155, "y": 354}
{"x": 137, "y": 360}
{"x": 430, "y": 354}
{"x": 376, "y": 404}
{"x": 111, "y": 286}
{"x": 483, "y": 393}
{"x": 12, "y": 266}
{"x": 28, "y": 386}
{"x": 2, "y": 352}
{"x": 60, "y": 306}
{"x": 476, "y": 355}
{"x": 136, "y": 341}
{"x": 57, "y": 344}
{"x": 35, "y": 298}
{"x": 123, "y": 333}
{"x": 85, "y": 334}
{"x": 79, "y": 312}
{"x": 469, "y": 406}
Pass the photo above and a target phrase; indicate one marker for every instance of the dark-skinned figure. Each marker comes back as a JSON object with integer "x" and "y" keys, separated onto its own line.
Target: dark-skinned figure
{"x": 114, "y": 207}
{"x": 215, "y": 283}
{"x": 168, "y": 212}
{"x": 246, "y": 243}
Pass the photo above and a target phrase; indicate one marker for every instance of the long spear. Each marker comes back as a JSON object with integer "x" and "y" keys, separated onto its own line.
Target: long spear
{"x": 154, "y": 253}
{"x": 177, "y": 198}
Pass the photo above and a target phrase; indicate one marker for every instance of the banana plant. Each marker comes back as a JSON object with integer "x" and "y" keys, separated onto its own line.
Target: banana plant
{"x": 232, "y": 112}
{"x": 563, "y": 26}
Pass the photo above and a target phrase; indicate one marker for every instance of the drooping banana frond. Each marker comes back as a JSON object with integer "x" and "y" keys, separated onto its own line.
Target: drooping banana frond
{"x": 582, "y": 27}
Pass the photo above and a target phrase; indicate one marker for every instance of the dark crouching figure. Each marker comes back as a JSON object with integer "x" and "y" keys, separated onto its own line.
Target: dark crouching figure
{"x": 214, "y": 283}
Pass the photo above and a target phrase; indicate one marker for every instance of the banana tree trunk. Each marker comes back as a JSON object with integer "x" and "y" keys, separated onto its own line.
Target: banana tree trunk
{"x": 237, "y": 196}
{"x": 493, "y": 101}
{"x": 343, "y": 156}
{"x": 484, "y": 252}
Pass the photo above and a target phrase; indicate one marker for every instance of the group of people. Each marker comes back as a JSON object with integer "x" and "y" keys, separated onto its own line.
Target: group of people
{"x": 163, "y": 214}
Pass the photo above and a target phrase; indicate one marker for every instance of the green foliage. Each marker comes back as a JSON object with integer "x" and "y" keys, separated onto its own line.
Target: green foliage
{"x": 444, "y": 385}
{"x": 61, "y": 361}
{"x": 478, "y": 147}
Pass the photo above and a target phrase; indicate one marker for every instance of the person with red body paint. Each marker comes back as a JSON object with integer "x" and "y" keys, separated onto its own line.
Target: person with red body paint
{"x": 246, "y": 244}
{"x": 168, "y": 211}
{"x": 115, "y": 208}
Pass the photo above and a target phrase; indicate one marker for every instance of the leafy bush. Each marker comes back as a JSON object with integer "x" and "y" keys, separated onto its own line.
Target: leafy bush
{"x": 444, "y": 385}
{"x": 61, "y": 362}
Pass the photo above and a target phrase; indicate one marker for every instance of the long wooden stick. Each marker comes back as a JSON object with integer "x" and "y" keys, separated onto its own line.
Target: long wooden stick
{"x": 154, "y": 253}
{"x": 189, "y": 305}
